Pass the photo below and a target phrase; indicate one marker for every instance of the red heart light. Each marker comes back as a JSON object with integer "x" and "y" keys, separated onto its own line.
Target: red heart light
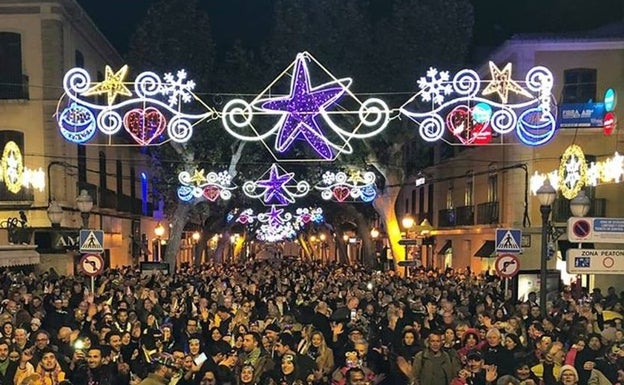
{"x": 461, "y": 124}
{"x": 144, "y": 125}
{"x": 341, "y": 193}
{"x": 211, "y": 193}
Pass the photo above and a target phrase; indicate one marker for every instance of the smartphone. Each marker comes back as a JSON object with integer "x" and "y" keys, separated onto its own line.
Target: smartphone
{"x": 199, "y": 360}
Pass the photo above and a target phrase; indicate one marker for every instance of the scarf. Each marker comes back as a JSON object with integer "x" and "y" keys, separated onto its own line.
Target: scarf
{"x": 253, "y": 357}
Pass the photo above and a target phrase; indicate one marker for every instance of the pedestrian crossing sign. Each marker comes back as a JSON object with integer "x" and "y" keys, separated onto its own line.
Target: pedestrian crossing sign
{"x": 91, "y": 241}
{"x": 508, "y": 240}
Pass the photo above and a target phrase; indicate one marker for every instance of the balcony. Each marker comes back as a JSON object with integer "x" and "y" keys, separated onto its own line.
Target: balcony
{"x": 464, "y": 216}
{"x": 14, "y": 87}
{"x": 561, "y": 209}
{"x": 108, "y": 199}
{"x": 446, "y": 218}
{"x": 124, "y": 203}
{"x": 487, "y": 213}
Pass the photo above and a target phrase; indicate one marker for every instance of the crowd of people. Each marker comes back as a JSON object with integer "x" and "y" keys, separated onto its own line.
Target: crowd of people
{"x": 299, "y": 323}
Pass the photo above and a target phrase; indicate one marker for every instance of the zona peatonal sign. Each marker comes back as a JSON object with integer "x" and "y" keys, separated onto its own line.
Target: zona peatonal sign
{"x": 589, "y": 261}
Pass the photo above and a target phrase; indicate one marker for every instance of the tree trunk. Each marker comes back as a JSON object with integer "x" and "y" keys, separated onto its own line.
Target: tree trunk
{"x": 179, "y": 219}
{"x": 385, "y": 206}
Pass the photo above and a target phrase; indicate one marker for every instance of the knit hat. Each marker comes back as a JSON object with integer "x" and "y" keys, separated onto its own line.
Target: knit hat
{"x": 568, "y": 368}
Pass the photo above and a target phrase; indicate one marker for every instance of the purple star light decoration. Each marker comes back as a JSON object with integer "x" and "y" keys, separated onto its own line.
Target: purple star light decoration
{"x": 276, "y": 189}
{"x": 301, "y": 108}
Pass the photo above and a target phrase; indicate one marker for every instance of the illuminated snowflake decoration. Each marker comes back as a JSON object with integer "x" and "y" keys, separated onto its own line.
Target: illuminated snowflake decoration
{"x": 305, "y": 215}
{"x": 148, "y": 110}
{"x": 276, "y": 187}
{"x": 471, "y": 110}
{"x": 211, "y": 187}
{"x": 434, "y": 86}
{"x": 309, "y": 122}
{"x": 357, "y": 186}
{"x": 277, "y": 224}
{"x": 178, "y": 88}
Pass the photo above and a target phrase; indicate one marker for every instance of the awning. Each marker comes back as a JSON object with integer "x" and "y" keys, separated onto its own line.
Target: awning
{"x": 564, "y": 246}
{"x": 447, "y": 245}
{"x": 486, "y": 250}
{"x": 18, "y": 255}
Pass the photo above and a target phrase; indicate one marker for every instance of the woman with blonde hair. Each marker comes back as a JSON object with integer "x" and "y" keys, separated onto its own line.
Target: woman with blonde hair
{"x": 321, "y": 353}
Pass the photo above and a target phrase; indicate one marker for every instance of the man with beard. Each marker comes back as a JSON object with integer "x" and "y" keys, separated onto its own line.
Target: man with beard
{"x": 92, "y": 371}
{"x": 48, "y": 369}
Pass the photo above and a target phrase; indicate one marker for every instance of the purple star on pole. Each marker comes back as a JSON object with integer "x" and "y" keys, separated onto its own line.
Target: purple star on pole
{"x": 275, "y": 219}
{"x": 301, "y": 108}
{"x": 274, "y": 186}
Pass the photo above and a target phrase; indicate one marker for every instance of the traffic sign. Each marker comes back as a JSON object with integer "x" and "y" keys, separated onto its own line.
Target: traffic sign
{"x": 605, "y": 230}
{"x": 408, "y": 242}
{"x": 92, "y": 264}
{"x": 589, "y": 261}
{"x": 91, "y": 241}
{"x": 508, "y": 240}
{"x": 507, "y": 265}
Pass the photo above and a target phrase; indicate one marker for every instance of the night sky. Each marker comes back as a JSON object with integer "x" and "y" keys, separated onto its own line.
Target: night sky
{"x": 493, "y": 22}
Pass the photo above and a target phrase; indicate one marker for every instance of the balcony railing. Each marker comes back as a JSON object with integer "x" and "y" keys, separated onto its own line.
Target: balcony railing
{"x": 446, "y": 218}
{"x": 561, "y": 209}
{"x": 14, "y": 88}
{"x": 464, "y": 215}
{"x": 124, "y": 203}
{"x": 108, "y": 199}
{"x": 487, "y": 213}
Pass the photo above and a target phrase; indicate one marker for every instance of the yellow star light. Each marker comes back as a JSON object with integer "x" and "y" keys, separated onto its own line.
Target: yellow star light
{"x": 198, "y": 177}
{"x": 502, "y": 83}
{"x": 355, "y": 177}
{"x": 112, "y": 85}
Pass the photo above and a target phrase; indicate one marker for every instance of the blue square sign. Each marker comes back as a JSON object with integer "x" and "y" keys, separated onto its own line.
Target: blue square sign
{"x": 91, "y": 241}
{"x": 508, "y": 240}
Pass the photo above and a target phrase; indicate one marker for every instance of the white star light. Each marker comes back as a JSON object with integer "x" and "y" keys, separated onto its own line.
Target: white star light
{"x": 573, "y": 171}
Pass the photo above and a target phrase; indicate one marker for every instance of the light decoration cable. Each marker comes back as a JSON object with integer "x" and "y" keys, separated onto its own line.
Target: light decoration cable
{"x": 307, "y": 115}
{"x": 145, "y": 108}
{"x": 277, "y": 188}
{"x": 610, "y": 170}
{"x": 357, "y": 186}
{"x": 17, "y": 176}
{"x": 212, "y": 186}
{"x": 460, "y": 106}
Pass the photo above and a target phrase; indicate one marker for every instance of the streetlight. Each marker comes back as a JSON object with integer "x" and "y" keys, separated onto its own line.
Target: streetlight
{"x": 374, "y": 233}
{"x": 55, "y": 214}
{"x": 159, "y": 231}
{"x": 84, "y": 201}
{"x": 579, "y": 205}
{"x": 196, "y": 236}
{"x": 407, "y": 222}
{"x": 546, "y": 195}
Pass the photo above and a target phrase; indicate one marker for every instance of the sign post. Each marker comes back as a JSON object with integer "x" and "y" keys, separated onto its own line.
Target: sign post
{"x": 599, "y": 230}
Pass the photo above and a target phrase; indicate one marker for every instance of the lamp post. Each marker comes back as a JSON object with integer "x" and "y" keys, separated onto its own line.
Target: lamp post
{"x": 84, "y": 201}
{"x": 408, "y": 222}
{"x": 55, "y": 214}
{"x": 159, "y": 231}
{"x": 579, "y": 205}
{"x": 546, "y": 195}
{"x": 196, "y": 237}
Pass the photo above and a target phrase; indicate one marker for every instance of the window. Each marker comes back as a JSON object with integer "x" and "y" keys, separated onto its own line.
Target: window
{"x": 449, "y": 197}
{"x": 414, "y": 201}
{"x": 119, "y": 175}
{"x": 493, "y": 188}
{"x": 579, "y": 85}
{"x": 79, "y": 58}
{"x": 421, "y": 199}
{"x": 82, "y": 163}
{"x": 132, "y": 182}
{"x": 430, "y": 198}
{"x": 13, "y": 84}
{"x": 468, "y": 193}
{"x": 406, "y": 206}
{"x": 102, "y": 170}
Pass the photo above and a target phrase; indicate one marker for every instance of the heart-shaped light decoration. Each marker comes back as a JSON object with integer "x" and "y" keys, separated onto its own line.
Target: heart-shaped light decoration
{"x": 341, "y": 193}
{"x": 144, "y": 125}
{"x": 466, "y": 129}
{"x": 211, "y": 193}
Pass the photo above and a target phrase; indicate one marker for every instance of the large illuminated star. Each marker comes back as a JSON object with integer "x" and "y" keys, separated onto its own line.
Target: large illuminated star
{"x": 112, "y": 85}
{"x": 502, "y": 83}
{"x": 274, "y": 186}
{"x": 300, "y": 110}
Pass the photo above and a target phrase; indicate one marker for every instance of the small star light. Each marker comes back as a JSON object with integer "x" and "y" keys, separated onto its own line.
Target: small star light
{"x": 112, "y": 85}
{"x": 502, "y": 83}
{"x": 198, "y": 177}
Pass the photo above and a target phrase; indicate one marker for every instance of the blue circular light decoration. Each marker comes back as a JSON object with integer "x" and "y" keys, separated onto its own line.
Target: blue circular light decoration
{"x": 610, "y": 100}
{"x": 368, "y": 194}
{"x": 77, "y": 123}
{"x": 481, "y": 112}
{"x": 535, "y": 127}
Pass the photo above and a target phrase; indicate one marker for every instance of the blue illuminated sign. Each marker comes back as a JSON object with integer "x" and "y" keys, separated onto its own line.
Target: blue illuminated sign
{"x": 581, "y": 115}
